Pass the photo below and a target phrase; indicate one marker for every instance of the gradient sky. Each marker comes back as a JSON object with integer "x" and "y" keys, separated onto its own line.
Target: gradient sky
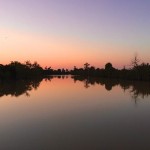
{"x": 64, "y": 33}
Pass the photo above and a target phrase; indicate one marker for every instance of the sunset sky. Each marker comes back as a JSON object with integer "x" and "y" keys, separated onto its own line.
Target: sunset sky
{"x": 67, "y": 33}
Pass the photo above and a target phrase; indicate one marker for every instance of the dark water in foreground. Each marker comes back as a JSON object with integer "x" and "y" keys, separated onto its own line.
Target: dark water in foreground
{"x": 64, "y": 113}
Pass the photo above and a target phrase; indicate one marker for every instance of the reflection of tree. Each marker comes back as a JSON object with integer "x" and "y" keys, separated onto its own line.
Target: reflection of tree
{"x": 92, "y": 81}
{"x": 48, "y": 78}
{"x": 137, "y": 89}
{"x": 86, "y": 84}
{"x": 140, "y": 90}
{"x": 18, "y": 87}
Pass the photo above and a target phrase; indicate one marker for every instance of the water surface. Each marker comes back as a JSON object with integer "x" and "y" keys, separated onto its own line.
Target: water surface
{"x": 74, "y": 113}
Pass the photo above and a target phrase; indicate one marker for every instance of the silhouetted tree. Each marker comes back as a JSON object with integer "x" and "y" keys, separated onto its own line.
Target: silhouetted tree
{"x": 86, "y": 66}
{"x": 135, "y": 61}
{"x": 108, "y": 66}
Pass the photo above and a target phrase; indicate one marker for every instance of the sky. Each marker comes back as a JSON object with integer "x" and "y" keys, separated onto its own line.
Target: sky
{"x": 67, "y": 33}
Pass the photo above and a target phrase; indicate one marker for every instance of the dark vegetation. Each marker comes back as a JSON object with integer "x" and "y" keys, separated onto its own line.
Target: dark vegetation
{"x": 140, "y": 72}
{"x": 16, "y": 70}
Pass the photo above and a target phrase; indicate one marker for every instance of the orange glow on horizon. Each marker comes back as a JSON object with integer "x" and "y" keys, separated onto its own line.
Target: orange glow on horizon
{"x": 60, "y": 52}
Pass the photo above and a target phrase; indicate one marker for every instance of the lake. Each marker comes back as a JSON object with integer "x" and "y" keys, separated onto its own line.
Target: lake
{"x": 74, "y": 113}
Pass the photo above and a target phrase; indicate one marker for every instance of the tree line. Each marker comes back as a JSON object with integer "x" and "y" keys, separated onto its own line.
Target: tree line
{"x": 28, "y": 70}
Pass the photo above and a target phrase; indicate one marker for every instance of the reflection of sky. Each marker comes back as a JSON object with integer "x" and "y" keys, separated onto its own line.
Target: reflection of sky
{"x": 96, "y": 31}
{"x": 60, "y": 97}
{"x": 61, "y": 113}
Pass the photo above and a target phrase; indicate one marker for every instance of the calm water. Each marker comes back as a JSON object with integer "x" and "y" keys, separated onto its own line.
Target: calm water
{"x": 66, "y": 113}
